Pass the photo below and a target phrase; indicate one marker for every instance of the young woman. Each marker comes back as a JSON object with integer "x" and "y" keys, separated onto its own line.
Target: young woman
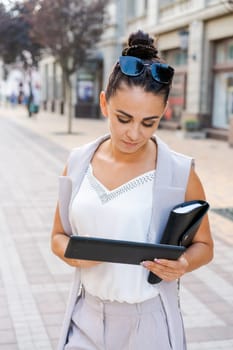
{"x": 123, "y": 186}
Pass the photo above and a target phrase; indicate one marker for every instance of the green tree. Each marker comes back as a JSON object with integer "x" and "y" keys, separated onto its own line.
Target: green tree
{"x": 14, "y": 34}
{"x": 69, "y": 29}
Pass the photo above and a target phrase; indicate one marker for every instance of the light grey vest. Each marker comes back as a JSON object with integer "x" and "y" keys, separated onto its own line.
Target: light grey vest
{"x": 169, "y": 189}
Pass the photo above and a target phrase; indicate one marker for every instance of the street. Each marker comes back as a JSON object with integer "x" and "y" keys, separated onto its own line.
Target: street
{"x": 34, "y": 284}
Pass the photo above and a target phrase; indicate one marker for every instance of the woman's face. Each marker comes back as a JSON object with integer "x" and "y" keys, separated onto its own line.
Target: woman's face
{"x": 133, "y": 117}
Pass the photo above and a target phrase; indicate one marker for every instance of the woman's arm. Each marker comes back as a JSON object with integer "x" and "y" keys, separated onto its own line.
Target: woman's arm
{"x": 59, "y": 241}
{"x": 201, "y": 250}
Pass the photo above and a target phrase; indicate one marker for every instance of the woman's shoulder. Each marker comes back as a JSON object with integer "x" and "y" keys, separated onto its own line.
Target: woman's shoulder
{"x": 177, "y": 157}
{"x": 177, "y": 164}
{"x": 87, "y": 146}
{"x": 181, "y": 157}
{"x": 84, "y": 152}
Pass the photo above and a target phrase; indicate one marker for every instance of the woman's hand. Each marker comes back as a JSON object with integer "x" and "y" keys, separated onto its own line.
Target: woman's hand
{"x": 168, "y": 270}
{"x": 59, "y": 242}
{"x": 82, "y": 263}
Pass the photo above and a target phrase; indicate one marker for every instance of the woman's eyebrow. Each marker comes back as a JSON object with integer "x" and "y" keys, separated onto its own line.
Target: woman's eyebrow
{"x": 130, "y": 116}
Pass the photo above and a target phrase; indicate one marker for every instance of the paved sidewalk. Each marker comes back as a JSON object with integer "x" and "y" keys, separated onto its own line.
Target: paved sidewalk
{"x": 34, "y": 283}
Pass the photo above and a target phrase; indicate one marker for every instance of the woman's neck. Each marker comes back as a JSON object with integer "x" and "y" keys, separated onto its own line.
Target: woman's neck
{"x": 115, "y": 155}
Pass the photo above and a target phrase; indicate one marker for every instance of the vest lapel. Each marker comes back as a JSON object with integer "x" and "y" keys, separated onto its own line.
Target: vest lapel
{"x": 79, "y": 162}
{"x": 165, "y": 195}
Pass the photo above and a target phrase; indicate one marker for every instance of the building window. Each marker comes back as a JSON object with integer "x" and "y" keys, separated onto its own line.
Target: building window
{"x": 230, "y": 51}
{"x": 177, "y": 57}
{"x": 223, "y": 84}
{"x": 223, "y": 99}
{"x": 177, "y": 100}
{"x": 136, "y": 8}
{"x": 224, "y": 51}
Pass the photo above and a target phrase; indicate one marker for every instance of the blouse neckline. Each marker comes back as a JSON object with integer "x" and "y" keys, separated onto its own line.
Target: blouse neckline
{"x": 105, "y": 194}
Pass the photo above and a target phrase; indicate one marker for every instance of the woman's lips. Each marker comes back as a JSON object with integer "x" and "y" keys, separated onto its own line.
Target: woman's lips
{"x": 131, "y": 144}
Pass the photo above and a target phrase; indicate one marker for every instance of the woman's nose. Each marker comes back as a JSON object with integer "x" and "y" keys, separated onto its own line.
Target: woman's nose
{"x": 133, "y": 132}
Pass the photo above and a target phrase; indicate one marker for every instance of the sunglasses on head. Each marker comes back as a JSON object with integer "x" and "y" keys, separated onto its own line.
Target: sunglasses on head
{"x": 133, "y": 66}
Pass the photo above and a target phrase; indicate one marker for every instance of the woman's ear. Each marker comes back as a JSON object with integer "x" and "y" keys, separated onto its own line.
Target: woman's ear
{"x": 167, "y": 111}
{"x": 103, "y": 104}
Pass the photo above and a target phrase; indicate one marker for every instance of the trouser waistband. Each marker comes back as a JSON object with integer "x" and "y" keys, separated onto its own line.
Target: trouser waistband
{"x": 123, "y": 308}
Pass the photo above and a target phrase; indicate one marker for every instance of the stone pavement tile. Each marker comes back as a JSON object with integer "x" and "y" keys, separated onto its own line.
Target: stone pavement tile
{"x": 220, "y": 333}
{"x": 212, "y": 333}
{"x": 9, "y": 346}
{"x": 39, "y": 278}
{"x": 223, "y": 228}
{"x": 7, "y": 332}
{"x": 5, "y": 322}
{"x": 225, "y": 271}
{"x": 49, "y": 302}
{"x": 222, "y": 309}
{"x": 215, "y": 283}
{"x": 217, "y": 345}
{"x": 7, "y": 336}
{"x": 226, "y": 315}
{"x": 53, "y": 332}
{"x": 53, "y": 319}
{"x": 18, "y": 224}
{"x": 196, "y": 314}
{"x": 4, "y": 309}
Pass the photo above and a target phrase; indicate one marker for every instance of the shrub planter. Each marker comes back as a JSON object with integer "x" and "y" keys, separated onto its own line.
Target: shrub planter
{"x": 230, "y": 134}
{"x": 192, "y": 129}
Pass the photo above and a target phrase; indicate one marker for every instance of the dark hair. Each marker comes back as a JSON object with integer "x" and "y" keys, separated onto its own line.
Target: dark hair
{"x": 140, "y": 45}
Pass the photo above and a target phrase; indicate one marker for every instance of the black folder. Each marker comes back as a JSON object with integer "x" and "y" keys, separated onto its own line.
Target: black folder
{"x": 182, "y": 225}
{"x": 119, "y": 251}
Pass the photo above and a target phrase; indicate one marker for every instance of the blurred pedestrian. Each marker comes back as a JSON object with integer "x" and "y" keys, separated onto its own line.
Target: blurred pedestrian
{"x": 30, "y": 100}
{"x": 122, "y": 186}
{"x": 32, "y": 91}
{"x": 20, "y": 94}
{"x": 36, "y": 97}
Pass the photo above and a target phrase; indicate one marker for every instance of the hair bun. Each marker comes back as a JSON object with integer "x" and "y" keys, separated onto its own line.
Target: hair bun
{"x": 140, "y": 45}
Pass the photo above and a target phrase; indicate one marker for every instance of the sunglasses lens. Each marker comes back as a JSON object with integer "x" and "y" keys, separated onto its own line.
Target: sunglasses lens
{"x": 162, "y": 72}
{"x": 131, "y": 66}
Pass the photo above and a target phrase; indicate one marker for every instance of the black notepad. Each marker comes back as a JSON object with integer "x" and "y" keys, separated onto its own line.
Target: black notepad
{"x": 183, "y": 223}
{"x": 118, "y": 251}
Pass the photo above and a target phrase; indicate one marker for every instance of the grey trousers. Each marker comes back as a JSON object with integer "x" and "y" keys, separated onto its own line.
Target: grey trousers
{"x": 103, "y": 325}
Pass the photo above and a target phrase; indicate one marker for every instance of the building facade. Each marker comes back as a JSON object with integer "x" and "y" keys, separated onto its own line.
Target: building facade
{"x": 195, "y": 37}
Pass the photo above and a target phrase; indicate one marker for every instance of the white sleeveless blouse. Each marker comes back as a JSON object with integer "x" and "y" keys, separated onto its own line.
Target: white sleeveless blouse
{"x": 125, "y": 214}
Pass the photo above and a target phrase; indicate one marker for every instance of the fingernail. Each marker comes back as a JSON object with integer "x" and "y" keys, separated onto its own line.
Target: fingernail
{"x": 156, "y": 260}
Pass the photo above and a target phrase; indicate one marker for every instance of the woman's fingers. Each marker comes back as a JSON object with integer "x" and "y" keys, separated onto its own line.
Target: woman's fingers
{"x": 168, "y": 270}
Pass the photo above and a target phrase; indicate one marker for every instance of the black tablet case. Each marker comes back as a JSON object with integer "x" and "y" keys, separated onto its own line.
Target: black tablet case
{"x": 119, "y": 251}
{"x": 182, "y": 227}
